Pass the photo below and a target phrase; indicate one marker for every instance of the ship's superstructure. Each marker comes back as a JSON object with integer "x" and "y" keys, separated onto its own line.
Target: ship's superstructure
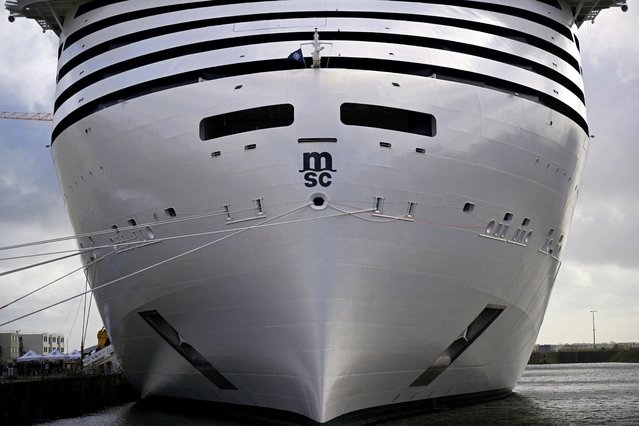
{"x": 320, "y": 206}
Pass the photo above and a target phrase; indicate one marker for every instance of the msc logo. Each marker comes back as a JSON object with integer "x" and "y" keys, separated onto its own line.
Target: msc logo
{"x": 316, "y": 168}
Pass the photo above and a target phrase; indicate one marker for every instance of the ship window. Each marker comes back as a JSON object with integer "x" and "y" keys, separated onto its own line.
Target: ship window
{"x": 170, "y": 212}
{"x": 508, "y": 217}
{"x": 525, "y": 222}
{"x": 132, "y": 222}
{"x": 87, "y": 7}
{"x": 469, "y": 207}
{"x": 381, "y": 117}
{"x": 247, "y": 120}
{"x": 310, "y": 140}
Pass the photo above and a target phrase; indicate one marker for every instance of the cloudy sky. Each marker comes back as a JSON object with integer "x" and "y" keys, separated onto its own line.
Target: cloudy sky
{"x": 601, "y": 263}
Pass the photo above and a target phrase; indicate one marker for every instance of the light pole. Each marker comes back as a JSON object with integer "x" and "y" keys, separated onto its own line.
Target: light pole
{"x": 593, "y": 329}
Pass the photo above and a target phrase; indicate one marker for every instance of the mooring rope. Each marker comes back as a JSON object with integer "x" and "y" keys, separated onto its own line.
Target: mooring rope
{"x": 33, "y": 265}
{"x": 124, "y": 228}
{"x": 155, "y": 265}
{"x": 55, "y": 281}
{"x": 234, "y": 232}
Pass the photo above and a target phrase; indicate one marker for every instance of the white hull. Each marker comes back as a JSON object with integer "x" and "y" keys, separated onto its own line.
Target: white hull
{"x": 323, "y": 316}
{"x": 427, "y": 269}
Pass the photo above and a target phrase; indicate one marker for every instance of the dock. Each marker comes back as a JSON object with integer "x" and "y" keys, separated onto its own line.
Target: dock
{"x": 25, "y": 400}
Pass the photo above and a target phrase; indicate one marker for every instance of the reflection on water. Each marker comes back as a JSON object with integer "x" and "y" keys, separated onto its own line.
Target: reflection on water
{"x": 560, "y": 394}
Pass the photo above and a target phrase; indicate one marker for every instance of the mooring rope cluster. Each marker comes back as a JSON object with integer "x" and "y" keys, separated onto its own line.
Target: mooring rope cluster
{"x": 266, "y": 222}
{"x": 196, "y": 216}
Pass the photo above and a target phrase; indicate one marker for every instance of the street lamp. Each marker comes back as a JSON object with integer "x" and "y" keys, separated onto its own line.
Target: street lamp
{"x": 593, "y": 329}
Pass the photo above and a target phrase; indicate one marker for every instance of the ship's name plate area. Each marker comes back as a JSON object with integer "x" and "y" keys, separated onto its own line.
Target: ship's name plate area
{"x": 317, "y": 168}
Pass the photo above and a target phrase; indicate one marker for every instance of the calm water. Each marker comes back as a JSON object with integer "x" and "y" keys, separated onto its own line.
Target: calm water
{"x": 561, "y": 394}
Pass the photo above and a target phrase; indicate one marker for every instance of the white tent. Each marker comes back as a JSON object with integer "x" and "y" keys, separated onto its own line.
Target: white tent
{"x": 30, "y": 356}
{"x": 54, "y": 355}
{"x": 73, "y": 355}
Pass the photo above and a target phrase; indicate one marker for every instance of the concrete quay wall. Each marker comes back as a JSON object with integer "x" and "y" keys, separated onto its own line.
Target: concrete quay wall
{"x": 49, "y": 398}
{"x": 595, "y": 355}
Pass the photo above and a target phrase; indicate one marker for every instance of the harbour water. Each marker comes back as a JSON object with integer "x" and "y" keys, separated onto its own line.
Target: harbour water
{"x": 557, "y": 394}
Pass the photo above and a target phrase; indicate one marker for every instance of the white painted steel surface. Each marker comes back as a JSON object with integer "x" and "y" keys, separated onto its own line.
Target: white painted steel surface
{"x": 317, "y": 311}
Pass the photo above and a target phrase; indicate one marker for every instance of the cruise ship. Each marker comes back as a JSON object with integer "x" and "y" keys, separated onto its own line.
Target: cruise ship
{"x": 320, "y": 207}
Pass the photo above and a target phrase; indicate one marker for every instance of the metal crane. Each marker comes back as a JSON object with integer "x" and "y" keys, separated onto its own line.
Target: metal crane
{"x": 35, "y": 116}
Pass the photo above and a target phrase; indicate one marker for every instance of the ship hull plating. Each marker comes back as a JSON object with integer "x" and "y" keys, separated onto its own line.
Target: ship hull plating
{"x": 382, "y": 229}
{"x": 321, "y": 310}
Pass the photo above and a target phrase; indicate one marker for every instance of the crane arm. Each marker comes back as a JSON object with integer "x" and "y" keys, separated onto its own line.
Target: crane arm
{"x": 37, "y": 116}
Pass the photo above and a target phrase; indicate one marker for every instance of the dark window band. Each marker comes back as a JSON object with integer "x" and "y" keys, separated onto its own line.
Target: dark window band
{"x": 506, "y": 10}
{"x": 93, "y": 5}
{"x": 351, "y": 36}
{"x": 257, "y": 67}
{"x": 383, "y": 117}
{"x": 247, "y": 120}
{"x": 144, "y": 13}
{"x": 96, "y": 4}
{"x": 185, "y": 26}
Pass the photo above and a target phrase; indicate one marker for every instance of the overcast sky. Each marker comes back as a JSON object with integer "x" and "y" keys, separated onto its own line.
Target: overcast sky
{"x": 600, "y": 268}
